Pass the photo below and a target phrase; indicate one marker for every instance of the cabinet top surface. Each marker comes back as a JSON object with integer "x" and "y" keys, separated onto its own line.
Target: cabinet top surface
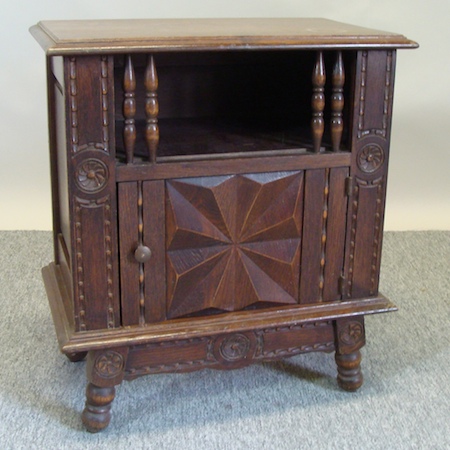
{"x": 59, "y": 37}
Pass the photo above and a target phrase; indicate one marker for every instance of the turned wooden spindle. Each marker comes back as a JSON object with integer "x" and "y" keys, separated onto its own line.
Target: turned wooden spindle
{"x": 318, "y": 101}
{"x": 151, "y": 109}
{"x": 337, "y": 102}
{"x": 129, "y": 110}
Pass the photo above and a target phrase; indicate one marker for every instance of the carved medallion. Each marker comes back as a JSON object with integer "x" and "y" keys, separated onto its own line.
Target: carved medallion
{"x": 91, "y": 175}
{"x": 235, "y": 347}
{"x": 109, "y": 364}
{"x": 351, "y": 333}
{"x": 370, "y": 158}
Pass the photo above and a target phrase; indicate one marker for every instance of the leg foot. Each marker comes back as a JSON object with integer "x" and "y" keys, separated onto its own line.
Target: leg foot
{"x": 349, "y": 370}
{"x": 97, "y": 414}
{"x": 75, "y": 357}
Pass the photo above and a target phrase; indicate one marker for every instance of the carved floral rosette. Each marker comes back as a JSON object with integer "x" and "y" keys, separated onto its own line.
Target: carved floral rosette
{"x": 91, "y": 175}
{"x": 370, "y": 158}
{"x": 109, "y": 364}
{"x": 350, "y": 334}
{"x": 234, "y": 349}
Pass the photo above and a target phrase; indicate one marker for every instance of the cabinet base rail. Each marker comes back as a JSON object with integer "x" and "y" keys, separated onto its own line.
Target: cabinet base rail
{"x": 221, "y": 342}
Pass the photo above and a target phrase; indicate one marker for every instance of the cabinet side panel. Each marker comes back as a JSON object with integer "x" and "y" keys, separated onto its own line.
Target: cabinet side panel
{"x": 89, "y": 102}
{"x": 60, "y": 196}
{"x": 372, "y": 112}
{"x": 57, "y": 68}
{"x": 53, "y": 147}
{"x": 63, "y": 225}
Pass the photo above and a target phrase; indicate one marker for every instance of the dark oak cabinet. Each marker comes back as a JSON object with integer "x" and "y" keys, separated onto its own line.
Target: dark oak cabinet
{"x": 218, "y": 192}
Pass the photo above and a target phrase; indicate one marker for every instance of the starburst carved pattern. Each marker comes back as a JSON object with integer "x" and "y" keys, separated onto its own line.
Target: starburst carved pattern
{"x": 233, "y": 241}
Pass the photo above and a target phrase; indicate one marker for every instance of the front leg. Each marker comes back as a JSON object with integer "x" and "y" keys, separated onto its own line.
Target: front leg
{"x": 97, "y": 412}
{"x": 350, "y": 337}
{"x": 105, "y": 370}
{"x": 349, "y": 375}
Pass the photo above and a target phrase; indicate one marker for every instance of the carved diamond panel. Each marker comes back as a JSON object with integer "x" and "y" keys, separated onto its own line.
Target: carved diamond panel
{"x": 233, "y": 241}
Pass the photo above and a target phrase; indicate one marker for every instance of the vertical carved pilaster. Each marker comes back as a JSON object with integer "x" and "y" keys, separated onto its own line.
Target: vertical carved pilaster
{"x": 73, "y": 103}
{"x": 81, "y": 303}
{"x": 318, "y": 101}
{"x": 362, "y": 92}
{"x": 151, "y": 109}
{"x": 129, "y": 109}
{"x": 378, "y": 235}
{"x": 92, "y": 190}
{"x": 370, "y": 152}
{"x": 105, "y": 106}
{"x": 337, "y": 102}
{"x": 387, "y": 92}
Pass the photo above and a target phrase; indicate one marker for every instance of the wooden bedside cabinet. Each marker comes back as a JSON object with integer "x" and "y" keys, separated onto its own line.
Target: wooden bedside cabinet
{"x": 218, "y": 192}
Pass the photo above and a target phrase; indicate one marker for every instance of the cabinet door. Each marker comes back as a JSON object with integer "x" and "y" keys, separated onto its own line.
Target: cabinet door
{"x": 233, "y": 242}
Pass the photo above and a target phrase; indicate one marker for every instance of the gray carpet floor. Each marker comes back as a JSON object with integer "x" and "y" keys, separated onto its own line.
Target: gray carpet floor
{"x": 292, "y": 404}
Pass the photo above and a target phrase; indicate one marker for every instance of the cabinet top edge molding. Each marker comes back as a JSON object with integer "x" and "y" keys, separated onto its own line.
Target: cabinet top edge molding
{"x": 66, "y": 37}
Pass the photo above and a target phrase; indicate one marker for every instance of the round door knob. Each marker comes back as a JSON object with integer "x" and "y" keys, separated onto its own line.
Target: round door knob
{"x": 142, "y": 254}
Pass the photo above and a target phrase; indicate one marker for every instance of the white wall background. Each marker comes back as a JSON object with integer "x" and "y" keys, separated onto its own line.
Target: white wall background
{"x": 419, "y": 179}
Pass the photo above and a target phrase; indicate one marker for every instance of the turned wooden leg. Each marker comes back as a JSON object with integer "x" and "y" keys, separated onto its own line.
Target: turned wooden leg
{"x": 97, "y": 412}
{"x": 350, "y": 337}
{"x": 105, "y": 370}
{"x": 349, "y": 371}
